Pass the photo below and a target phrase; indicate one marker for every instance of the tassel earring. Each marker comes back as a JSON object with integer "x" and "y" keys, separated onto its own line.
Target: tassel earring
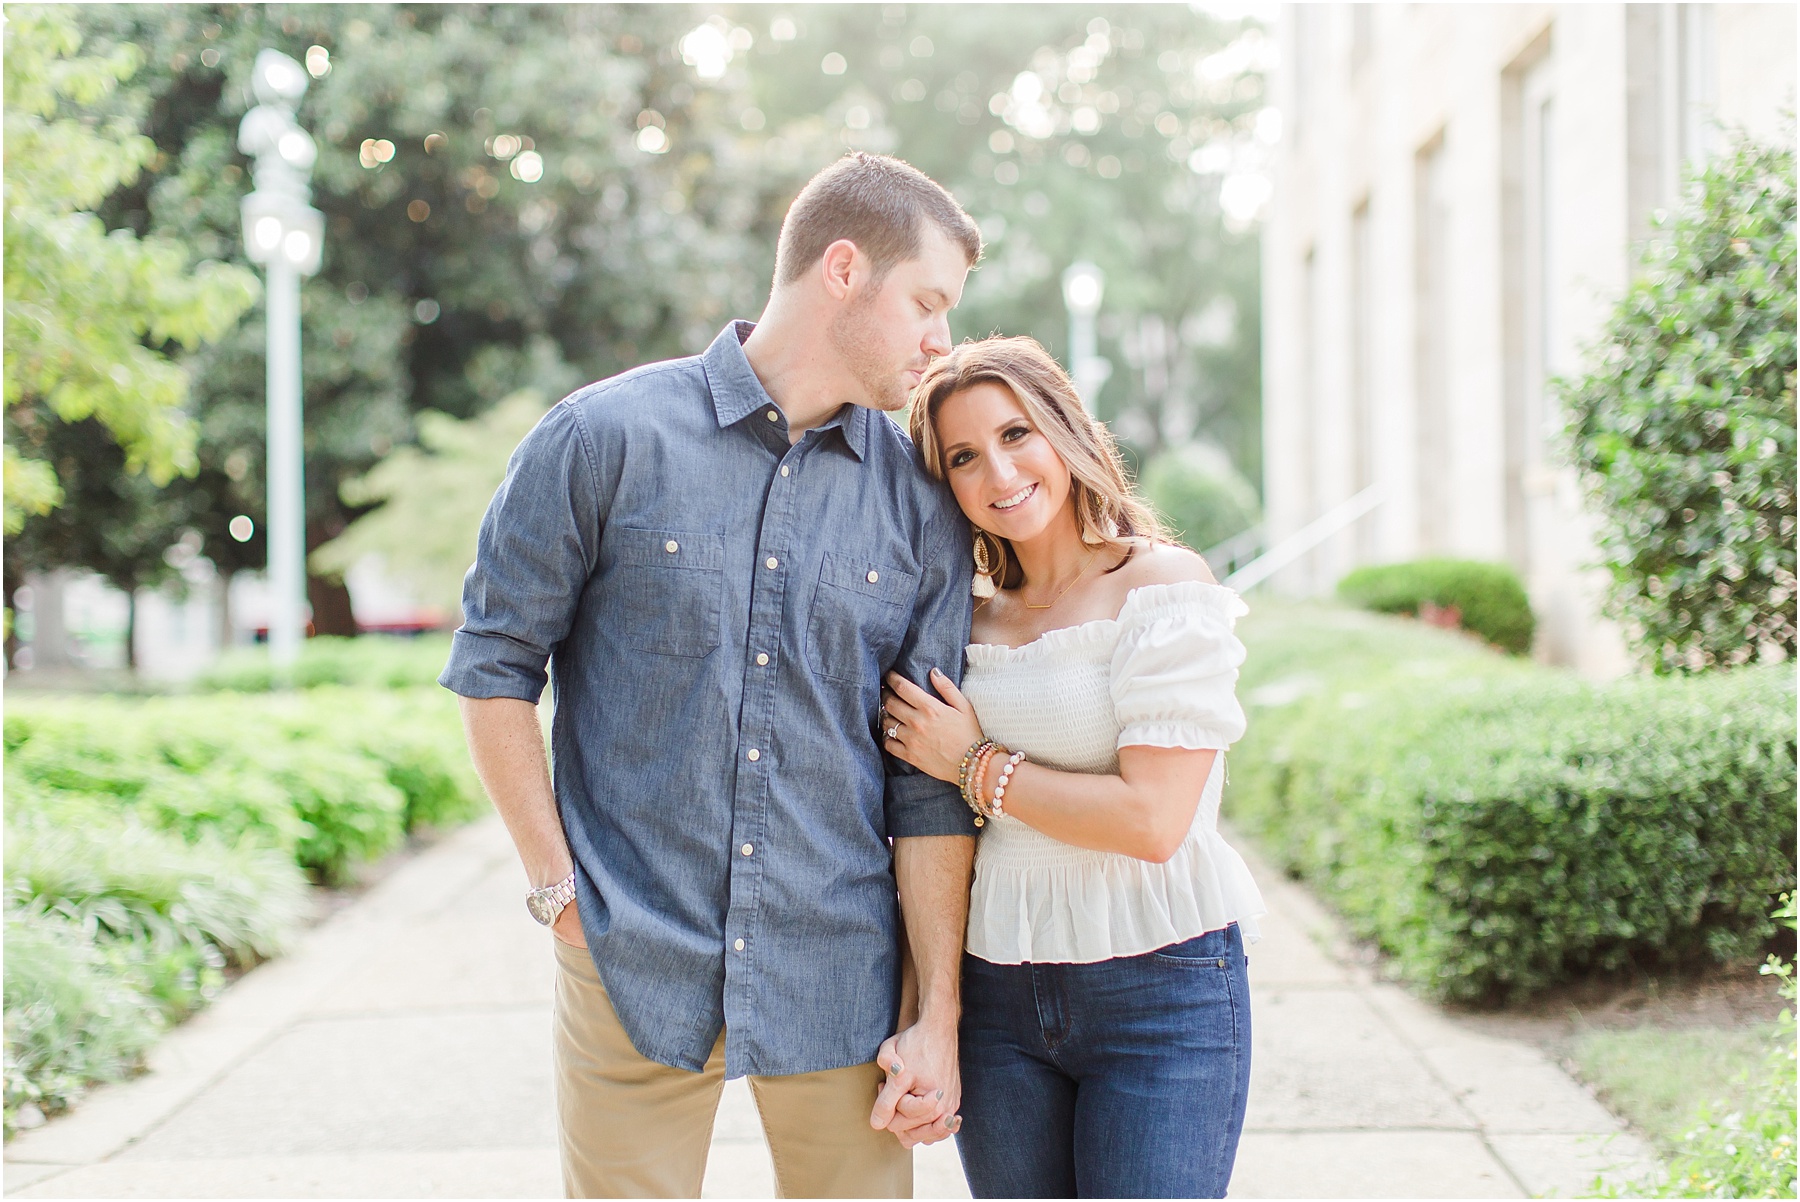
{"x": 982, "y": 585}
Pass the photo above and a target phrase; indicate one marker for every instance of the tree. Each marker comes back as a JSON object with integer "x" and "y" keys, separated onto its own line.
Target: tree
{"x": 535, "y": 196}
{"x": 89, "y": 315}
{"x": 454, "y": 274}
{"x": 431, "y": 498}
{"x": 1100, "y": 132}
{"x": 1683, "y": 426}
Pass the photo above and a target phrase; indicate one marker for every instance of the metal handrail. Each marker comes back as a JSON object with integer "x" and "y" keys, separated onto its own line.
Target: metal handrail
{"x": 1229, "y": 555}
{"x": 1297, "y": 544}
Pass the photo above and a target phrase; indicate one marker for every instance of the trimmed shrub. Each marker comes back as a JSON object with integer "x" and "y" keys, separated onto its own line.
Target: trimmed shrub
{"x": 1683, "y": 426}
{"x": 1497, "y": 826}
{"x": 1487, "y": 598}
{"x": 1204, "y": 499}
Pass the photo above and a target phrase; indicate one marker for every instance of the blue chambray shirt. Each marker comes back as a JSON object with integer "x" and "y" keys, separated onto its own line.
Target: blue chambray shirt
{"x": 719, "y": 608}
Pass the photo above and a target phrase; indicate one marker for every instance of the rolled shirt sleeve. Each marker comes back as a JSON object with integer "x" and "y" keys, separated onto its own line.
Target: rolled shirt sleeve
{"x": 539, "y": 543}
{"x": 918, "y": 804}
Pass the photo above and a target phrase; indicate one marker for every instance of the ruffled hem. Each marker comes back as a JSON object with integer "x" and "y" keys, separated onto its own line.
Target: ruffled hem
{"x": 1080, "y": 909}
{"x": 1100, "y": 635}
{"x": 1194, "y": 736}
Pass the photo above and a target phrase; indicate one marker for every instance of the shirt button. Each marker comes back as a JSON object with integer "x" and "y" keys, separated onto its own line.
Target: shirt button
{"x": 747, "y": 849}
{"x": 784, "y": 469}
{"x": 755, "y": 755}
{"x": 671, "y": 546}
{"x": 771, "y": 563}
{"x": 762, "y": 659}
{"x": 773, "y": 416}
{"x": 739, "y": 945}
{"x": 874, "y": 576}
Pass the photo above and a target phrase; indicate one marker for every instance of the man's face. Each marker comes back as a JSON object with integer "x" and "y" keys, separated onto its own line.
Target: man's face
{"x": 889, "y": 335}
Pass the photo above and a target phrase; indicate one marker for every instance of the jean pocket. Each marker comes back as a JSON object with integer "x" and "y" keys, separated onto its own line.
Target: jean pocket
{"x": 1215, "y": 949}
{"x": 858, "y": 618}
{"x": 671, "y": 588}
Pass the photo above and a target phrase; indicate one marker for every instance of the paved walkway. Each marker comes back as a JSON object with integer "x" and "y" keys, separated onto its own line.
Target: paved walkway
{"x": 402, "y": 1051}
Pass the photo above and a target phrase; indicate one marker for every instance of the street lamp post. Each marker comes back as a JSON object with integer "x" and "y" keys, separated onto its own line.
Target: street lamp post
{"x": 285, "y": 234}
{"x": 1083, "y": 286}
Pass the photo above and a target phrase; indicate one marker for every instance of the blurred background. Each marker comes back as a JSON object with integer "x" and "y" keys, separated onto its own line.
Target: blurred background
{"x": 1478, "y": 317}
{"x": 521, "y": 199}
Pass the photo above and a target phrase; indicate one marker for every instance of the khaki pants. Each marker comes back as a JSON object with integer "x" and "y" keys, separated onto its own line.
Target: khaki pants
{"x": 633, "y": 1128}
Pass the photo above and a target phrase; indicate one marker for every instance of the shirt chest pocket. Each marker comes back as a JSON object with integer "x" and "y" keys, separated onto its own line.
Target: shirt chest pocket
{"x": 860, "y": 613}
{"x": 671, "y": 587}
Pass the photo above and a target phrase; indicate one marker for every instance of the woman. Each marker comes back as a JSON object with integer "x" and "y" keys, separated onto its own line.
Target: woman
{"x": 1106, "y": 1024}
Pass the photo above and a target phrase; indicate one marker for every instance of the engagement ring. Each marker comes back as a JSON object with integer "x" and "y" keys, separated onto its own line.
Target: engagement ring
{"x": 893, "y": 732}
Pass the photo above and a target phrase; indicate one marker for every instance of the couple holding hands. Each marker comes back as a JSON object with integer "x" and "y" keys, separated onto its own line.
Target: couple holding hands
{"x": 887, "y": 770}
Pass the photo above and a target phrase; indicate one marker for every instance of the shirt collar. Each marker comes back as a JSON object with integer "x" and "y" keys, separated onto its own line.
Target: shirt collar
{"x": 737, "y": 393}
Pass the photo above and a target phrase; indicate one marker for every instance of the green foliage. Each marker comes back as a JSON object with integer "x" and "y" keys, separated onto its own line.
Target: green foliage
{"x": 369, "y": 662}
{"x": 87, "y": 309}
{"x": 332, "y": 777}
{"x": 114, "y": 930}
{"x": 431, "y": 499}
{"x": 1173, "y": 95}
{"x": 1487, "y": 597}
{"x": 1683, "y": 426}
{"x": 71, "y": 1016}
{"x": 1200, "y": 495}
{"x": 1497, "y": 826}
{"x": 123, "y": 881}
{"x": 618, "y": 256}
{"x": 1744, "y": 1150}
{"x": 1666, "y": 1079}
{"x": 153, "y": 843}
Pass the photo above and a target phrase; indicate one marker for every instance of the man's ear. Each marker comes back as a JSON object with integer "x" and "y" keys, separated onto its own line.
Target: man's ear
{"x": 842, "y": 268}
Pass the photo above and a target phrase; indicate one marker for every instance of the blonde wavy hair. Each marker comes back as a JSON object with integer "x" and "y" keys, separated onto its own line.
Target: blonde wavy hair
{"x": 1108, "y": 511}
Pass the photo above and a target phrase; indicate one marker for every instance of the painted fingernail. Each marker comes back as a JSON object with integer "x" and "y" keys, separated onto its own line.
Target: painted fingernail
{"x": 940, "y": 1095}
{"x": 955, "y": 1123}
{"x": 894, "y": 1068}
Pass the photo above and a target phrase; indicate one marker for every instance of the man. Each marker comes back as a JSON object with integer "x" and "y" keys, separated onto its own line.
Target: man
{"x": 721, "y": 556}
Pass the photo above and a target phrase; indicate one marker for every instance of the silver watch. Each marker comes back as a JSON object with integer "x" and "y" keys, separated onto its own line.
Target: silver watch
{"x": 546, "y": 903}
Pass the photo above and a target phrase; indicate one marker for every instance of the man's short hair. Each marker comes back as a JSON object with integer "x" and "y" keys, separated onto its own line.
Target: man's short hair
{"x": 877, "y": 202}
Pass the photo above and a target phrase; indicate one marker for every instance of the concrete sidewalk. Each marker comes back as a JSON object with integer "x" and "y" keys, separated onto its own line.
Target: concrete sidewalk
{"x": 403, "y": 1051}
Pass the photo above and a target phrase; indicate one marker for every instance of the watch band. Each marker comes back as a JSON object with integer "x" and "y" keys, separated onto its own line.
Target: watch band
{"x": 547, "y": 904}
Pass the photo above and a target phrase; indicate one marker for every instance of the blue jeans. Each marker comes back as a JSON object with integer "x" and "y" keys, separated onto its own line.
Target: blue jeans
{"x": 1121, "y": 1079}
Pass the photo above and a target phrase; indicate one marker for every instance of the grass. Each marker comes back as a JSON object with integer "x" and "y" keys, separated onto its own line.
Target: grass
{"x": 1665, "y": 1080}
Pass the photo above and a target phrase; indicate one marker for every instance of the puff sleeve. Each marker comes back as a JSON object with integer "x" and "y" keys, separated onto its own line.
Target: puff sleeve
{"x": 1174, "y": 672}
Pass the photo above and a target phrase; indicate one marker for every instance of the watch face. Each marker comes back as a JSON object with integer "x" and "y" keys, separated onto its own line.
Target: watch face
{"x": 540, "y": 908}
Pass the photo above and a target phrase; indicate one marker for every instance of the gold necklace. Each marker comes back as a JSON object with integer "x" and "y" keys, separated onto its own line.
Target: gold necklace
{"x": 1066, "y": 587}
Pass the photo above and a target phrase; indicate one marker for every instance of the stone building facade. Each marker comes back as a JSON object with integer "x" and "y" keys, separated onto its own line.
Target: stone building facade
{"x": 1459, "y": 192}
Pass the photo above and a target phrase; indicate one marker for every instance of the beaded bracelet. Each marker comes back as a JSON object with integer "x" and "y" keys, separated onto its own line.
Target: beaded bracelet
{"x": 978, "y": 782}
{"x": 998, "y": 808}
{"x": 963, "y": 773}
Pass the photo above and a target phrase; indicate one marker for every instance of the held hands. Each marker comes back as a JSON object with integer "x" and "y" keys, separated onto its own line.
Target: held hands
{"x": 918, "y": 1103}
{"x": 927, "y": 733}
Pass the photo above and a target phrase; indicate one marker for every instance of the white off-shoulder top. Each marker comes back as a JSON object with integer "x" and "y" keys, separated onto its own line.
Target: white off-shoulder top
{"x": 1161, "y": 674}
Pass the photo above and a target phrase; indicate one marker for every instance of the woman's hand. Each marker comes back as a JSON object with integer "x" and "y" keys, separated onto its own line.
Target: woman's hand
{"x": 925, "y": 732}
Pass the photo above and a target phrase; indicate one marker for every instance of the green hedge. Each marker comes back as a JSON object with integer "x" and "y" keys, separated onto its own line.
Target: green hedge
{"x": 1497, "y": 826}
{"x": 333, "y": 776}
{"x": 1488, "y": 598}
{"x": 115, "y": 930}
{"x": 153, "y": 844}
